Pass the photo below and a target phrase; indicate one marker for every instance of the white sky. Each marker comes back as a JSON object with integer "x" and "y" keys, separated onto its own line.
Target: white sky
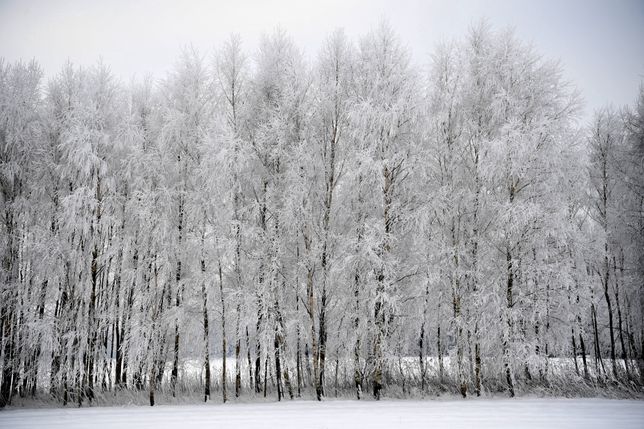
{"x": 600, "y": 43}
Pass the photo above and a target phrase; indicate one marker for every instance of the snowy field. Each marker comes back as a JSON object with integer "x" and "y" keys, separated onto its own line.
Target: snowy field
{"x": 486, "y": 413}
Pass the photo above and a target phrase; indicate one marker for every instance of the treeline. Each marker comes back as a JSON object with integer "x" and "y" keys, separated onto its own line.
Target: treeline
{"x": 351, "y": 223}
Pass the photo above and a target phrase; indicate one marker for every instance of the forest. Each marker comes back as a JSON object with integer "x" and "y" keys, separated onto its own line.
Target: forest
{"x": 273, "y": 224}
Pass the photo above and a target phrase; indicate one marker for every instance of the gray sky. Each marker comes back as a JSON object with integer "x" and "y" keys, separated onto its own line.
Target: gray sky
{"x": 600, "y": 43}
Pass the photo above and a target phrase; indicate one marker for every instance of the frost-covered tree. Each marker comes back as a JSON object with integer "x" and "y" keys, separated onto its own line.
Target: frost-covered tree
{"x": 20, "y": 133}
{"x": 317, "y": 228}
{"x": 384, "y": 120}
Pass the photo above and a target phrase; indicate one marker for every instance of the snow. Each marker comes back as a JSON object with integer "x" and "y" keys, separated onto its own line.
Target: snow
{"x": 479, "y": 413}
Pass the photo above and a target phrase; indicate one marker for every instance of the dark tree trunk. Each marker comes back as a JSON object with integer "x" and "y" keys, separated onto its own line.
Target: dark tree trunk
{"x": 238, "y": 352}
{"x": 206, "y": 331}
{"x": 224, "y": 346}
{"x": 250, "y": 365}
{"x": 509, "y": 305}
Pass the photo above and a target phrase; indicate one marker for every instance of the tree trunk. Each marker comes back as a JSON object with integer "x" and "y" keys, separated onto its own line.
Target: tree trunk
{"x": 278, "y": 368}
{"x": 175, "y": 363}
{"x": 620, "y": 329}
{"x": 509, "y": 305}
{"x": 298, "y": 352}
{"x": 250, "y": 364}
{"x": 258, "y": 359}
{"x": 598, "y": 356}
{"x": 582, "y": 346}
{"x": 152, "y": 377}
{"x": 456, "y": 304}
{"x": 206, "y": 331}
{"x": 439, "y": 350}
{"x": 611, "y": 330}
{"x": 7, "y": 386}
{"x": 224, "y": 347}
{"x": 421, "y": 343}
{"x": 379, "y": 308}
{"x": 265, "y": 374}
{"x": 311, "y": 301}
{"x": 238, "y": 352}
{"x": 238, "y": 275}
{"x": 475, "y": 366}
{"x": 322, "y": 345}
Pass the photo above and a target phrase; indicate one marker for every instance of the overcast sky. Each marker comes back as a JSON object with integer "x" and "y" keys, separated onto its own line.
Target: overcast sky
{"x": 600, "y": 43}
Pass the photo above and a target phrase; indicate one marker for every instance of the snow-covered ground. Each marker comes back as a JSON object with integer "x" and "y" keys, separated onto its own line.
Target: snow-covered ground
{"x": 486, "y": 413}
